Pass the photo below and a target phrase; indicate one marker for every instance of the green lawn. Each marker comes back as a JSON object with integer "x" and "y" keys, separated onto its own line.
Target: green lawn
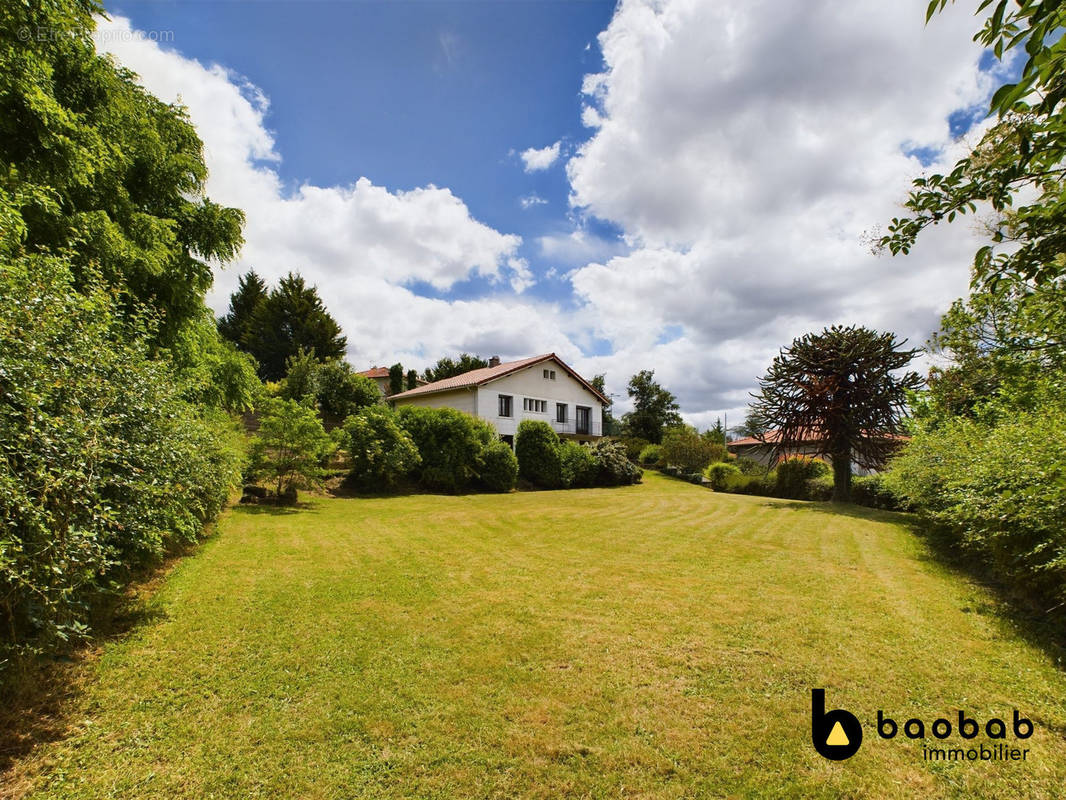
{"x": 652, "y": 641}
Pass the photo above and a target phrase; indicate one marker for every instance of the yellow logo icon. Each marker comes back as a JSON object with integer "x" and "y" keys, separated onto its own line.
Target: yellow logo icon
{"x": 837, "y": 737}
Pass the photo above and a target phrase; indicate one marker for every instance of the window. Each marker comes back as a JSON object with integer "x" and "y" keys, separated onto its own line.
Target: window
{"x": 536, "y": 406}
{"x": 549, "y": 374}
{"x": 505, "y": 405}
{"x": 560, "y": 412}
{"x": 581, "y": 419}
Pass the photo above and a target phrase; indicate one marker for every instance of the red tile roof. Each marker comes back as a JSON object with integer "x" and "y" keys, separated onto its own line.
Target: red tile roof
{"x": 479, "y": 377}
{"x": 375, "y": 372}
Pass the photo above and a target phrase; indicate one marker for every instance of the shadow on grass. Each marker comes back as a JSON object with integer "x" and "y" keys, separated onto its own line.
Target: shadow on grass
{"x": 41, "y": 695}
{"x": 1014, "y": 610}
{"x": 274, "y": 510}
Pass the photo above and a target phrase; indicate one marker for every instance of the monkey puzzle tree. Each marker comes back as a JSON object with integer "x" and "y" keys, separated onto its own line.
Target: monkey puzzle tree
{"x": 835, "y": 391}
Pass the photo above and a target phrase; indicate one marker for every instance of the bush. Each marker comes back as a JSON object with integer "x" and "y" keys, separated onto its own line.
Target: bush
{"x": 749, "y": 466}
{"x": 499, "y": 467}
{"x": 873, "y": 491}
{"x": 633, "y": 446}
{"x": 997, "y": 490}
{"x": 382, "y": 452}
{"x": 538, "y": 451}
{"x": 651, "y": 455}
{"x": 291, "y": 446}
{"x": 793, "y": 474}
{"x": 613, "y": 467}
{"x": 578, "y": 467}
{"x": 104, "y": 463}
{"x": 722, "y": 476}
{"x": 450, "y": 444}
{"x": 684, "y": 448}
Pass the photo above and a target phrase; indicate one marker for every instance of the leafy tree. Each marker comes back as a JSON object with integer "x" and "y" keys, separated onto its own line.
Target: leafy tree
{"x": 299, "y": 382}
{"x": 654, "y": 408}
{"x": 683, "y": 447}
{"x": 752, "y": 425}
{"x": 382, "y": 453}
{"x": 211, "y": 369}
{"x": 449, "y": 368}
{"x": 1003, "y": 347}
{"x": 411, "y": 382}
{"x": 290, "y": 447}
{"x": 251, "y": 291}
{"x": 333, "y": 387}
{"x": 835, "y": 390}
{"x": 290, "y": 319}
{"x": 339, "y": 391}
{"x": 610, "y": 424}
{"x": 104, "y": 172}
{"x": 1017, "y": 168}
{"x": 396, "y": 378}
{"x": 715, "y": 435}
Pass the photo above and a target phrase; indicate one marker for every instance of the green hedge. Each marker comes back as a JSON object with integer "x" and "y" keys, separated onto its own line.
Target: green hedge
{"x": 996, "y": 490}
{"x": 104, "y": 463}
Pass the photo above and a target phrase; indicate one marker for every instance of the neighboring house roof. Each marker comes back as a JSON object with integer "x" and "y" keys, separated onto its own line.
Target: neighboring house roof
{"x": 774, "y": 436}
{"x": 479, "y": 377}
{"x": 375, "y": 372}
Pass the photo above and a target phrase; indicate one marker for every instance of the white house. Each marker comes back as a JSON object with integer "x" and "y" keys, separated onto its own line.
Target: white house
{"x": 542, "y": 388}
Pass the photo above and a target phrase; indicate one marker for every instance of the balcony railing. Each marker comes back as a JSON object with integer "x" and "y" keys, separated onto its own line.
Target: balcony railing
{"x": 592, "y": 428}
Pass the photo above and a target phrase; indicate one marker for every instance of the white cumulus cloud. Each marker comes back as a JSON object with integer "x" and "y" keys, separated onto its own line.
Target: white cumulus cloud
{"x": 744, "y": 149}
{"x": 540, "y": 159}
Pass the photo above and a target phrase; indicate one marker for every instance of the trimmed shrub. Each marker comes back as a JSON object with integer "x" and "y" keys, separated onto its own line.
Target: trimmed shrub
{"x": 651, "y": 456}
{"x": 450, "y": 444}
{"x": 578, "y": 467}
{"x": 872, "y": 491}
{"x": 499, "y": 467}
{"x": 722, "y": 476}
{"x": 760, "y": 485}
{"x": 821, "y": 488}
{"x": 382, "y": 453}
{"x": 613, "y": 467}
{"x": 793, "y": 474}
{"x": 538, "y": 451}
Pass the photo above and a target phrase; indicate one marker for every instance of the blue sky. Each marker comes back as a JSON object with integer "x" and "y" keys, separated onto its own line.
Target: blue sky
{"x": 720, "y": 170}
{"x": 411, "y": 93}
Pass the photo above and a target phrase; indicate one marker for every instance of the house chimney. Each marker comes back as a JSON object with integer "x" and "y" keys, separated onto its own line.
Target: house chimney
{"x": 494, "y": 361}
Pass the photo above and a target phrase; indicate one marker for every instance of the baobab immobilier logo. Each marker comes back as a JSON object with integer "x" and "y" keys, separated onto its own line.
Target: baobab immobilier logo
{"x": 837, "y": 734}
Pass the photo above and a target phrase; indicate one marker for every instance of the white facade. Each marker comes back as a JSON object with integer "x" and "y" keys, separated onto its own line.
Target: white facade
{"x": 530, "y": 384}
{"x": 543, "y": 391}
